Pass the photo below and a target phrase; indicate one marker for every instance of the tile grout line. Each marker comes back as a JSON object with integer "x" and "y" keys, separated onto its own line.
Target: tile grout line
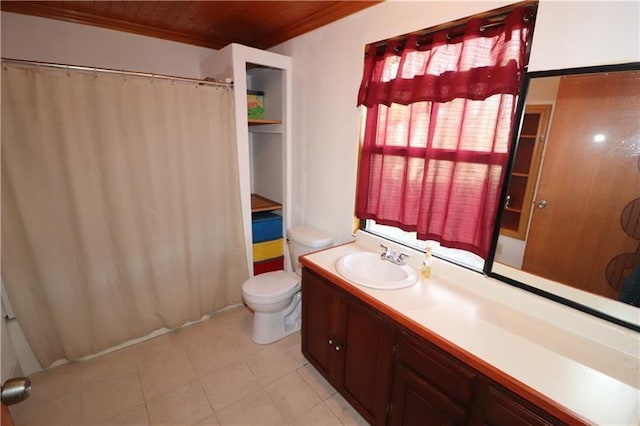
{"x": 144, "y": 397}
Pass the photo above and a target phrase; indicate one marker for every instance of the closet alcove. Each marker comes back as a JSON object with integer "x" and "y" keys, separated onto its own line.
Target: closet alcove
{"x": 264, "y": 151}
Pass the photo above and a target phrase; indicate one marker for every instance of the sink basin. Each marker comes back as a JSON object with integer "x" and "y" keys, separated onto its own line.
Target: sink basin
{"x": 368, "y": 270}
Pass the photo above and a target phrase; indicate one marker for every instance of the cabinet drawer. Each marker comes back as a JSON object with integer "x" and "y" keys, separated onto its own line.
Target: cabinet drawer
{"x": 443, "y": 371}
{"x": 501, "y": 407}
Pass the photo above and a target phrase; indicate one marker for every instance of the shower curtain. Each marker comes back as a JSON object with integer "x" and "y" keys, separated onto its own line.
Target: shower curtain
{"x": 120, "y": 206}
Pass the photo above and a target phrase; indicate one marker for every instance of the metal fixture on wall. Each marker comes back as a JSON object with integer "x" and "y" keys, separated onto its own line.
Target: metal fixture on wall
{"x": 15, "y": 390}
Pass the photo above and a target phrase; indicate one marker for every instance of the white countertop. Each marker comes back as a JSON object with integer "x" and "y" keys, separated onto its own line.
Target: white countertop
{"x": 587, "y": 365}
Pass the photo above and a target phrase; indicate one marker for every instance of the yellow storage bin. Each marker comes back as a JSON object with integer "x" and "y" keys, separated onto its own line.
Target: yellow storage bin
{"x": 268, "y": 250}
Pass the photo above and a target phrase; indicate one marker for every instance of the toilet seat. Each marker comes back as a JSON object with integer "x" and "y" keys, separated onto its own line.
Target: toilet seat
{"x": 271, "y": 286}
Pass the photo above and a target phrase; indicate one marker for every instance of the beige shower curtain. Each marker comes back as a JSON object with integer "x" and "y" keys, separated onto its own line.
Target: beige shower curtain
{"x": 120, "y": 206}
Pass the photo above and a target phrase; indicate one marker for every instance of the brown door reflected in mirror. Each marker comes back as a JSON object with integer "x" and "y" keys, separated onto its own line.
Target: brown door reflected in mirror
{"x": 590, "y": 174}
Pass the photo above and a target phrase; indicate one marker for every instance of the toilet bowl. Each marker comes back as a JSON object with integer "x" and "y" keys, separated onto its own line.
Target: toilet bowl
{"x": 271, "y": 296}
{"x": 275, "y": 297}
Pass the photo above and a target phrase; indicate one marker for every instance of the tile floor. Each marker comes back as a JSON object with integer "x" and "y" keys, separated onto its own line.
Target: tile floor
{"x": 209, "y": 373}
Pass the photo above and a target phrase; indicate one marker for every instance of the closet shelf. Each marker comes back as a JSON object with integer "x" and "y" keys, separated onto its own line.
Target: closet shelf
{"x": 262, "y": 204}
{"x": 258, "y": 121}
{"x": 513, "y": 209}
{"x": 526, "y": 166}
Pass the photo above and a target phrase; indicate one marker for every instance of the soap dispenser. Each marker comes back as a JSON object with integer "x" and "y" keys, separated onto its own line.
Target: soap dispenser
{"x": 426, "y": 263}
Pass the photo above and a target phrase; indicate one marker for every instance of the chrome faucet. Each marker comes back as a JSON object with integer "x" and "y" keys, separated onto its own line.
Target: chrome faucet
{"x": 393, "y": 256}
{"x": 386, "y": 254}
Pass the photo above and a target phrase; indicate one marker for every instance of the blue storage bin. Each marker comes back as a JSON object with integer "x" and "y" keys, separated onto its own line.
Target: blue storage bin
{"x": 266, "y": 226}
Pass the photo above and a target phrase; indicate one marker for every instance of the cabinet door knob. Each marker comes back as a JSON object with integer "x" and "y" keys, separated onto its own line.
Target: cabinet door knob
{"x": 542, "y": 204}
{"x": 331, "y": 342}
{"x": 338, "y": 348}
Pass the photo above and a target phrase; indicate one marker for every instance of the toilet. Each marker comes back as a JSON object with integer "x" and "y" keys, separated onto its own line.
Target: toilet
{"x": 275, "y": 297}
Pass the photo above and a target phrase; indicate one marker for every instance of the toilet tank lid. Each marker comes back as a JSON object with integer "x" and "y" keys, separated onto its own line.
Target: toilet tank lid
{"x": 309, "y": 236}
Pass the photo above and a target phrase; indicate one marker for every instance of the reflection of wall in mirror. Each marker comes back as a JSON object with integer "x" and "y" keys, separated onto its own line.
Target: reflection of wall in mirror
{"x": 541, "y": 91}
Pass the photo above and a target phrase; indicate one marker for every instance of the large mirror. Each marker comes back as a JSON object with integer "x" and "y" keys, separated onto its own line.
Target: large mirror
{"x": 569, "y": 228}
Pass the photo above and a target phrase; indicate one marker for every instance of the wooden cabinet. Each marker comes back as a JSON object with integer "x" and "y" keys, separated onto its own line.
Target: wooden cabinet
{"x": 391, "y": 375}
{"x": 432, "y": 387}
{"x": 350, "y": 344}
{"x": 524, "y": 173}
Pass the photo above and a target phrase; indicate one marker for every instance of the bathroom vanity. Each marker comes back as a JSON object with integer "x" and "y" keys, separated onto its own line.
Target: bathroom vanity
{"x": 349, "y": 343}
{"x": 434, "y": 353}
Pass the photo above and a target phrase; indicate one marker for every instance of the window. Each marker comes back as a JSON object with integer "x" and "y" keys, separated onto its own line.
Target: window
{"x": 439, "y": 113}
{"x": 461, "y": 257}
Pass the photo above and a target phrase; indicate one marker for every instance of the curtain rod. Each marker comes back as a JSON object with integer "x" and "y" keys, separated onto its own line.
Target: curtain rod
{"x": 112, "y": 71}
{"x": 496, "y": 15}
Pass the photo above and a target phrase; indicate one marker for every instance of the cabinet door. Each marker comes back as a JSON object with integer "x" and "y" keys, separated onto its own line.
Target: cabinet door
{"x": 349, "y": 344}
{"x": 323, "y": 318}
{"x": 415, "y": 402}
{"x": 368, "y": 354}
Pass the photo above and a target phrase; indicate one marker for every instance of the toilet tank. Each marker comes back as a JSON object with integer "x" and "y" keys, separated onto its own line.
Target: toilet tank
{"x": 303, "y": 239}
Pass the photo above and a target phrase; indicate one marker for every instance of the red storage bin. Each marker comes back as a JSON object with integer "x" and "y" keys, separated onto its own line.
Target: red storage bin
{"x": 275, "y": 264}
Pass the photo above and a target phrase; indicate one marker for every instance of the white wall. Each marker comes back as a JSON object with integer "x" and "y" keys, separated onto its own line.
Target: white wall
{"x": 328, "y": 67}
{"x": 572, "y": 34}
{"x": 47, "y": 40}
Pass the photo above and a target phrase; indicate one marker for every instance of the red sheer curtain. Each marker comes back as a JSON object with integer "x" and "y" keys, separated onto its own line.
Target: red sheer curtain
{"x": 438, "y": 125}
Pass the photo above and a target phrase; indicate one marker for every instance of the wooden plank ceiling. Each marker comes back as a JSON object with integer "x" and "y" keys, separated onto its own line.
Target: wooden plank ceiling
{"x": 214, "y": 24}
